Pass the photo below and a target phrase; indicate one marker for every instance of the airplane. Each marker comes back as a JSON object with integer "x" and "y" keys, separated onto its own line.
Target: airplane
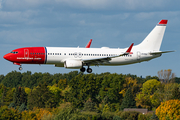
{"x": 77, "y": 58}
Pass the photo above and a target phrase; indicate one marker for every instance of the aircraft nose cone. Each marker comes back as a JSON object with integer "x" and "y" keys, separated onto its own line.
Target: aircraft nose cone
{"x": 7, "y": 57}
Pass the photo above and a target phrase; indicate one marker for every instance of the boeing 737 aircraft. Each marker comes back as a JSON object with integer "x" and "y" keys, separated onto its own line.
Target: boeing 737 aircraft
{"x": 77, "y": 58}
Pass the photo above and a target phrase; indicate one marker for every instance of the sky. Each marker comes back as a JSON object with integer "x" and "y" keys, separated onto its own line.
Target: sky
{"x": 72, "y": 23}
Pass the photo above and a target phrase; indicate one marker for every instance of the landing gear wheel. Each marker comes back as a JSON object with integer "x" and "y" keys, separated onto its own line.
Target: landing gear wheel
{"x": 20, "y": 68}
{"x": 89, "y": 70}
{"x": 82, "y": 69}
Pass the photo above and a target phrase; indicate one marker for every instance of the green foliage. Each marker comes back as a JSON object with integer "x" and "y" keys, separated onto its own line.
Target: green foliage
{"x": 150, "y": 86}
{"x": 41, "y": 97}
{"x": 176, "y": 93}
{"x": 89, "y": 106}
{"x": 6, "y": 95}
{"x": 106, "y": 108}
{"x": 22, "y": 107}
{"x": 66, "y": 113}
{"x": 142, "y": 117}
{"x": 105, "y": 90}
{"x": 12, "y": 105}
{"x": 117, "y": 118}
{"x": 108, "y": 115}
{"x": 56, "y": 93}
{"x": 129, "y": 115}
{"x": 150, "y": 97}
{"x": 128, "y": 101}
{"x": 82, "y": 88}
{"x": 12, "y": 79}
{"x": 1, "y": 78}
{"x": 20, "y": 96}
{"x": 154, "y": 117}
{"x": 62, "y": 84}
{"x": 9, "y": 114}
{"x": 111, "y": 85}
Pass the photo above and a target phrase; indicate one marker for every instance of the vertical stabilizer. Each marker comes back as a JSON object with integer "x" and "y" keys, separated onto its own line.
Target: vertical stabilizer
{"x": 153, "y": 41}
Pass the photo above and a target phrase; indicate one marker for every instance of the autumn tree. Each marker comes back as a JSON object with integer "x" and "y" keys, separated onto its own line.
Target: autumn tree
{"x": 130, "y": 83}
{"x": 169, "y": 110}
{"x": 166, "y": 75}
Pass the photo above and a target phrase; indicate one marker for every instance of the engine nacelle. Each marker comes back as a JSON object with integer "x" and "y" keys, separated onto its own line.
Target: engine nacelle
{"x": 73, "y": 64}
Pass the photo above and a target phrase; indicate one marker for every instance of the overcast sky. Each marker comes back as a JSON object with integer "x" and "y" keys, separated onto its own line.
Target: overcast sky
{"x": 72, "y": 23}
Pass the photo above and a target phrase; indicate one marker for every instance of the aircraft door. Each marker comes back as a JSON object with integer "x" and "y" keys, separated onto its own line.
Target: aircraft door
{"x": 138, "y": 55}
{"x": 26, "y": 53}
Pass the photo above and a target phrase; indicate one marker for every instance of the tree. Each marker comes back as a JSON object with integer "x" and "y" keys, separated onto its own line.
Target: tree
{"x": 150, "y": 86}
{"x": 149, "y": 98}
{"x": 41, "y": 97}
{"x": 166, "y": 75}
{"x": 130, "y": 83}
{"x": 20, "y": 96}
{"x": 128, "y": 100}
{"x": 111, "y": 85}
{"x": 1, "y": 78}
{"x": 62, "y": 84}
{"x": 83, "y": 87}
{"x": 26, "y": 79}
{"x": 12, "y": 105}
{"x": 154, "y": 117}
{"x": 12, "y": 79}
{"x": 169, "y": 110}
{"x": 89, "y": 105}
{"x": 22, "y": 107}
{"x": 176, "y": 93}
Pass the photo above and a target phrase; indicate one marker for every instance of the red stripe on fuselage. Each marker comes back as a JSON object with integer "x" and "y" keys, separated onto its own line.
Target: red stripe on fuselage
{"x": 27, "y": 55}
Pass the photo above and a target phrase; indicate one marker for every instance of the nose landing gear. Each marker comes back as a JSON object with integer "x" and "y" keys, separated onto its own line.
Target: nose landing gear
{"x": 20, "y": 68}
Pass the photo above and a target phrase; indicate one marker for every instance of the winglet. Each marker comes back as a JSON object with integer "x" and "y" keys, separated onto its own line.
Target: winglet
{"x": 129, "y": 49}
{"x": 89, "y": 44}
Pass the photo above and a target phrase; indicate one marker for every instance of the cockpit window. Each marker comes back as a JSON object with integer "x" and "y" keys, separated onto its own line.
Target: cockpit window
{"x": 14, "y": 52}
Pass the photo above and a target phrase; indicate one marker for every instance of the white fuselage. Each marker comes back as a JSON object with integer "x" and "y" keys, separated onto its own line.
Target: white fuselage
{"x": 58, "y": 55}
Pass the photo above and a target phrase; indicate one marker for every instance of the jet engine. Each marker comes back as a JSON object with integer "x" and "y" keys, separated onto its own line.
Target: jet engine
{"x": 73, "y": 64}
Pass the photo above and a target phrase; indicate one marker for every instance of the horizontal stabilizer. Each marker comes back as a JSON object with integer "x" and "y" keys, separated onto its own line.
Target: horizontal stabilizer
{"x": 160, "y": 52}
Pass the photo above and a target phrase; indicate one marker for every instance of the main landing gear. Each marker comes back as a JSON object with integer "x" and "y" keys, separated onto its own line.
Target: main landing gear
{"x": 83, "y": 69}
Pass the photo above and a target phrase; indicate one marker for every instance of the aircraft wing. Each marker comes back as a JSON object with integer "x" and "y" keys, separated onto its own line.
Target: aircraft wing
{"x": 160, "y": 52}
{"x": 101, "y": 60}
